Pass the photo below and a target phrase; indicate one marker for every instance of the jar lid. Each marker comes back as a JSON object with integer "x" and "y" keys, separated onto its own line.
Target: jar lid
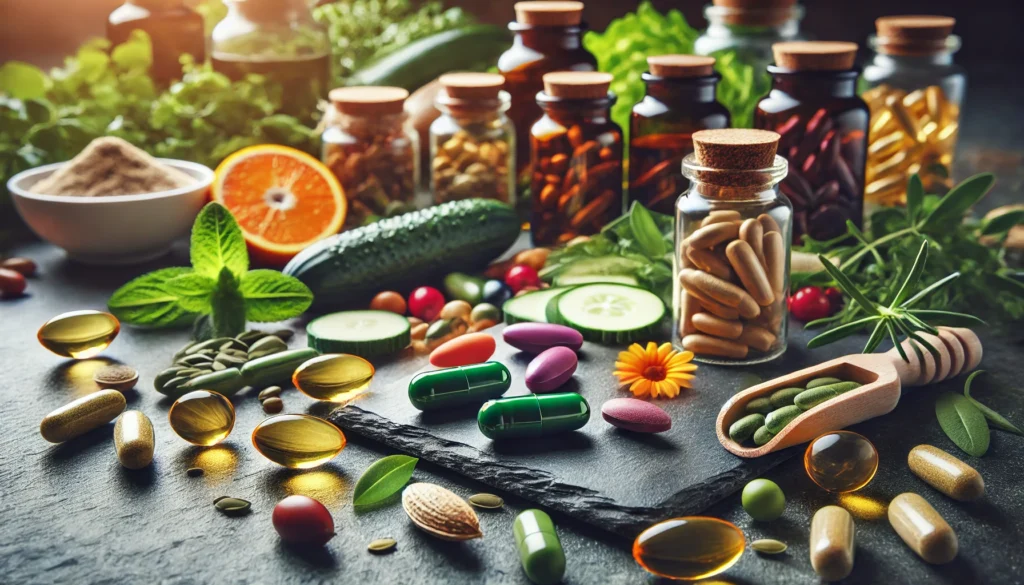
{"x": 577, "y": 84}
{"x": 735, "y": 148}
{"x": 815, "y": 55}
{"x": 472, "y": 86}
{"x": 368, "y": 100}
{"x": 679, "y": 66}
{"x": 549, "y": 13}
{"x": 913, "y": 34}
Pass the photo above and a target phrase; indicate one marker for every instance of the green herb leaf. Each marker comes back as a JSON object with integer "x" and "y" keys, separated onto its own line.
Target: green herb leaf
{"x": 929, "y": 289}
{"x": 193, "y": 291}
{"x": 1003, "y": 222}
{"x": 963, "y": 423}
{"x": 915, "y": 197}
{"x": 840, "y": 332}
{"x": 228, "y": 306}
{"x": 22, "y": 81}
{"x": 645, "y": 231}
{"x": 146, "y": 300}
{"x": 217, "y": 243}
{"x": 383, "y": 479}
{"x": 955, "y": 204}
{"x": 913, "y": 277}
{"x": 272, "y": 296}
{"x": 848, "y": 286}
{"x": 947, "y": 317}
{"x": 995, "y": 419}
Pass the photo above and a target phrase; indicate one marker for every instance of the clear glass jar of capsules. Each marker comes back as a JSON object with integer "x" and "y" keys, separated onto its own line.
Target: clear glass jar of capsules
{"x": 731, "y": 264}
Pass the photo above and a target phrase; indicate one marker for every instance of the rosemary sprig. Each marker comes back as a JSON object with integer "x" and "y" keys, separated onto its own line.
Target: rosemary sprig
{"x": 896, "y": 318}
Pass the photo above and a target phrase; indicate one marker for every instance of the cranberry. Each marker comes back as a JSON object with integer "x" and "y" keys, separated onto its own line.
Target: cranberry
{"x": 809, "y": 303}
{"x": 520, "y": 276}
{"x": 303, "y": 520}
{"x": 426, "y": 303}
{"x": 12, "y": 284}
{"x": 835, "y": 298}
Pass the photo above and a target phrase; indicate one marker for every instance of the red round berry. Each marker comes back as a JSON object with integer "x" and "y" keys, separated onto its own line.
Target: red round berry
{"x": 835, "y": 298}
{"x": 303, "y": 520}
{"x": 425, "y": 303}
{"x": 520, "y": 276}
{"x": 809, "y": 303}
{"x": 12, "y": 283}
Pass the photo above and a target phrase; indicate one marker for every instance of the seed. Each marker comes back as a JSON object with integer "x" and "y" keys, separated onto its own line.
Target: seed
{"x": 769, "y": 546}
{"x": 174, "y": 383}
{"x": 284, "y": 334}
{"x": 232, "y": 506}
{"x": 211, "y": 344}
{"x": 232, "y": 361}
{"x": 440, "y": 513}
{"x": 382, "y": 545}
{"x": 117, "y": 377}
{"x": 486, "y": 501}
{"x": 186, "y": 372}
{"x": 270, "y": 392}
{"x": 273, "y": 405}
{"x": 218, "y": 366}
{"x": 194, "y": 471}
{"x": 233, "y": 345}
{"x": 195, "y": 360}
{"x": 238, "y": 353}
{"x": 266, "y": 346}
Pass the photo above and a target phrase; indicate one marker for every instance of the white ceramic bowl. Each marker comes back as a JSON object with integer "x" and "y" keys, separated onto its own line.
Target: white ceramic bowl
{"x": 119, "y": 229}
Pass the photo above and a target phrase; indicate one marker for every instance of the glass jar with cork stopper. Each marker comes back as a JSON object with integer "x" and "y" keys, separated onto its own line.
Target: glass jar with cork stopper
{"x": 576, "y": 157}
{"x": 680, "y": 100}
{"x": 174, "y": 30}
{"x": 472, "y": 143}
{"x": 731, "y": 258}
{"x": 373, "y": 151}
{"x": 915, "y": 99}
{"x": 814, "y": 106}
{"x": 548, "y": 37}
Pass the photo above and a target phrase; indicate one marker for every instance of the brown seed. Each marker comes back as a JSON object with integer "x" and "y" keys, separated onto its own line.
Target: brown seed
{"x": 269, "y": 392}
{"x": 232, "y": 506}
{"x": 116, "y": 377}
{"x": 439, "y": 512}
{"x": 273, "y": 405}
{"x": 382, "y": 546}
{"x": 22, "y": 266}
{"x": 194, "y": 471}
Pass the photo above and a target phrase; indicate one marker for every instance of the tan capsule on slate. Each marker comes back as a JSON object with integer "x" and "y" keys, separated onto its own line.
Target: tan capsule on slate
{"x": 712, "y": 325}
{"x": 710, "y": 261}
{"x": 775, "y": 261}
{"x": 133, "y": 439}
{"x": 768, "y": 224}
{"x": 832, "y": 536}
{"x": 719, "y": 290}
{"x": 82, "y": 415}
{"x": 707, "y": 345}
{"x": 922, "y": 528}
{"x": 748, "y": 267}
{"x": 756, "y": 337}
{"x": 714, "y": 234}
{"x": 946, "y": 473}
{"x": 752, "y": 232}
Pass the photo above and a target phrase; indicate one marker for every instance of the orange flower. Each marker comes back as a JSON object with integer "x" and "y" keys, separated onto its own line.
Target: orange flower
{"x": 656, "y": 371}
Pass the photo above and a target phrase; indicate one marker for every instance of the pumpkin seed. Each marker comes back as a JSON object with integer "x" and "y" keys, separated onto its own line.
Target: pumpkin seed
{"x": 284, "y": 334}
{"x": 238, "y": 353}
{"x": 230, "y": 360}
{"x": 486, "y": 501}
{"x": 266, "y": 346}
{"x": 769, "y": 546}
{"x": 189, "y": 371}
{"x": 195, "y": 359}
{"x": 270, "y": 392}
{"x": 250, "y": 336}
{"x": 194, "y": 471}
{"x": 382, "y": 545}
{"x": 166, "y": 376}
{"x": 234, "y": 345}
{"x": 209, "y": 344}
{"x": 232, "y": 506}
{"x": 218, "y": 366}
{"x": 175, "y": 383}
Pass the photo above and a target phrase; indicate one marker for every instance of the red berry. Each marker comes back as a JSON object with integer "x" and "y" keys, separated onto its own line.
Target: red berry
{"x": 520, "y": 276}
{"x": 303, "y": 520}
{"x": 835, "y": 298}
{"x": 12, "y": 284}
{"x": 425, "y": 303}
{"x": 809, "y": 303}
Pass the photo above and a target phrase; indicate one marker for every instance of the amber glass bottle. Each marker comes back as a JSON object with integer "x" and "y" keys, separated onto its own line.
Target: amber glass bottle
{"x": 814, "y": 106}
{"x": 548, "y": 37}
{"x": 173, "y": 28}
{"x": 576, "y": 157}
{"x": 680, "y": 100}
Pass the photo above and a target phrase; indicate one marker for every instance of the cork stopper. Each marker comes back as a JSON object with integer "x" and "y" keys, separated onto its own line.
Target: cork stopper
{"x": 472, "y": 86}
{"x": 754, "y": 12}
{"x": 549, "y": 13}
{"x": 368, "y": 100}
{"x": 815, "y": 55}
{"x": 576, "y": 85}
{"x": 913, "y": 35}
{"x": 735, "y": 148}
{"x": 681, "y": 66}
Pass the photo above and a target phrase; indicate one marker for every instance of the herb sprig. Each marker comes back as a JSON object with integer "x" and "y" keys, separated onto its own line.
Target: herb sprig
{"x": 219, "y": 285}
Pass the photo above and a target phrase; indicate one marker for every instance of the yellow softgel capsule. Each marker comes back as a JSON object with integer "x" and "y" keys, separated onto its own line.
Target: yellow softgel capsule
{"x": 689, "y": 548}
{"x": 79, "y": 334}
{"x": 298, "y": 441}
{"x": 202, "y": 417}
{"x": 336, "y": 377}
{"x": 841, "y": 461}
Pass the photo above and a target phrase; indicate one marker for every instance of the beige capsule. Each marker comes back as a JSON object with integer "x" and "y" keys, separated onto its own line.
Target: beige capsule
{"x": 768, "y": 224}
{"x": 775, "y": 261}
{"x": 757, "y": 337}
{"x": 922, "y": 528}
{"x": 721, "y": 291}
{"x": 832, "y": 540}
{"x": 689, "y": 306}
{"x": 750, "y": 271}
{"x": 712, "y": 306}
{"x": 710, "y": 261}
{"x": 720, "y": 216}
{"x": 82, "y": 415}
{"x": 133, "y": 439}
{"x": 701, "y": 344}
{"x": 946, "y": 473}
{"x": 712, "y": 325}
{"x": 752, "y": 232}
{"x": 714, "y": 234}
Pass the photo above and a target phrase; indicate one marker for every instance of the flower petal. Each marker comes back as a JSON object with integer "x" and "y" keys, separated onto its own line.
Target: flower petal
{"x": 636, "y": 350}
{"x": 641, "y": 387}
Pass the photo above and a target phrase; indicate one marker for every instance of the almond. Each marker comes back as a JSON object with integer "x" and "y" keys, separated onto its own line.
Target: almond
{"x": 440, "y": 512}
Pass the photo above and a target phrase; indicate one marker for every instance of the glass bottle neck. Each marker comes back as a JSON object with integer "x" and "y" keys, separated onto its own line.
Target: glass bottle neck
{"x": 271, "y": 11}
{"x": 814, "y": 83}
{"x": 774, "y": 23}
{"x": 681, "y": 90}
{"x": 577, "y": 111}
{"x": 913, "y": 61}
{"x": 547, "y": 39}
{"x": 364, "y": 124}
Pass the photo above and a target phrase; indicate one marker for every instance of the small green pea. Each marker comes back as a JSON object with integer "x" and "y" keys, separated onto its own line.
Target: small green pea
{"x": 763, "y": 500}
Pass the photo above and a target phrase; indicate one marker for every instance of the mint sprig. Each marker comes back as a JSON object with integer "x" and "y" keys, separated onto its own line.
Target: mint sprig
{"x": 219, "y": 284}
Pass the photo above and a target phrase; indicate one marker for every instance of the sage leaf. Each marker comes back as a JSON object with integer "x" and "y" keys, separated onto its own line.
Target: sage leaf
{"x": 146, "y": 300}
{"x": 383, "y": 479}
{"x": 955, "y": 204}
{"x": 227, "y": 306}
{"x": 915, "y": 197}
{"x": 217, "y": 243}
{"x": 1003, "y": 222}
{"x": 963, "y": 423}
{"x": 272, "y": 296}
{"x": 645, "y": 231}
{"x": 995, "y": 419}
{"x": 193, "y": 291}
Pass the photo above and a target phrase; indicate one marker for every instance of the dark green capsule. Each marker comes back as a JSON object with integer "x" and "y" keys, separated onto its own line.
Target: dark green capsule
{"x": 822, "y": 382}
{"x": 778, "y": 419}
{"x": 784, "y": 397}
{"x": 540, "y": 551}
{"x": 808, "y": 399}
{"x": 744, "y": 428}
{"x": 533, "y": 415}
{"x": 277, "y": 367}
{"x": 459, "y": 386}
{"x": 762, "y": 436}
{"x": 760, "y": 405}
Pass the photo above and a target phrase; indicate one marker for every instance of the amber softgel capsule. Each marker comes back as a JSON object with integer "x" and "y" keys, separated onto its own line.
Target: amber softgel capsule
{"x": 689, "y": 548}
{"x": 298, "y": 441}
{"x": 202, "y": 417}
{"x": 79, "y": 334}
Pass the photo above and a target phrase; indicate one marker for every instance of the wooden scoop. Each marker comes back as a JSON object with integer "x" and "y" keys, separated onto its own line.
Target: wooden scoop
{"x": 882, "y": 377}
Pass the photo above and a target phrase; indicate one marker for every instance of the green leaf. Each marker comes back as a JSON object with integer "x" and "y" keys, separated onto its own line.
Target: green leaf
{"x": 272, "y": 296}
{"x": 913, "y": 277}
{"x": 955, "y": 204}
{"x": 228, "y": 306}
{"x": 146, "y": 300}
{"x": 947, "y": 317}
{"x": 193, "y": 291}
{"x": 840, "y": 332}
{"x": 929, "y": 289}
{"x": 876, "y": 337}
{"x": 1003, "y": 222}
{"x": 915, "y": 197}
{"x": 217, "y": 243}
{"x": 995, "y": 419}
{"x": 963, "y": 423}
{"x": 895, "y": 339}
{"x": 383, "y": 479}
{"x": 847, "y": 285}
{"x": 135, "y": 53}
{"x": 645, "y": 231}
{"x": 22, "y": 81}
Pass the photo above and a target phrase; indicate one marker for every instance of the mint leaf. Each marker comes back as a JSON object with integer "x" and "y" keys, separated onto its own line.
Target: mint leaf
{"x": 22, "y": 81}
{"x": 147, "y": 300}
{"x": 272, "y": 296}
{"x": 383, "y": 479}
{"x": 646, "y": 232}
{"x": 217, "y": 243}
{"x": 193, "y": 291}
{"x": 228, "y": 306}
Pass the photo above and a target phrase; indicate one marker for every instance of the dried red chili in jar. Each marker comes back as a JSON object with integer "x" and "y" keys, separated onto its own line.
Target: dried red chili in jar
{"x": 372, "y": 150}
{"x": 576, "y": 158}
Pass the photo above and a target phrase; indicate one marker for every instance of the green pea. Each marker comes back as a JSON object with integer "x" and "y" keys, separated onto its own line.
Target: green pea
{"x": 821, "y": 382}
{"x": 762, "y": 436}
{"x": 763, "y": 500}
{"x": 761, "y": 405}
{"x": 808, "y": 399}
{"x": 784, "y": 397}
{"x": 778, "y": 419}
{"x": 744, "y": 428}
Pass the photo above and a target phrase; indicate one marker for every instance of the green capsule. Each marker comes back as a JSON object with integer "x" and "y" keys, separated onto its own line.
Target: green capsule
{"x": 762, "y": 436}
{"x": 784, "y": 397}
{"x": 533, "y": 415}
{"x": 778, "y": 419}
{"x": 225, "y": 382}
{"x": 808, "y": 399}
{"x": 464, "y": 287}
{"x": 744, "y": 428}
{"x": 822, "y": 382}
{"x": 760, "y": 405}
{"x": 540, "y": 551}
{"x": 459, "y": 386}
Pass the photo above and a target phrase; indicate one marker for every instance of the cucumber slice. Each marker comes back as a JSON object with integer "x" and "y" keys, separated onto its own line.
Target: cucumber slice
{"x": 602, "y": 265}
{"x": 362, "y": 333}
{"x": 529, "y": 308}
{"x": 577, "y": 279}
{"x": 611, "y": 313}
